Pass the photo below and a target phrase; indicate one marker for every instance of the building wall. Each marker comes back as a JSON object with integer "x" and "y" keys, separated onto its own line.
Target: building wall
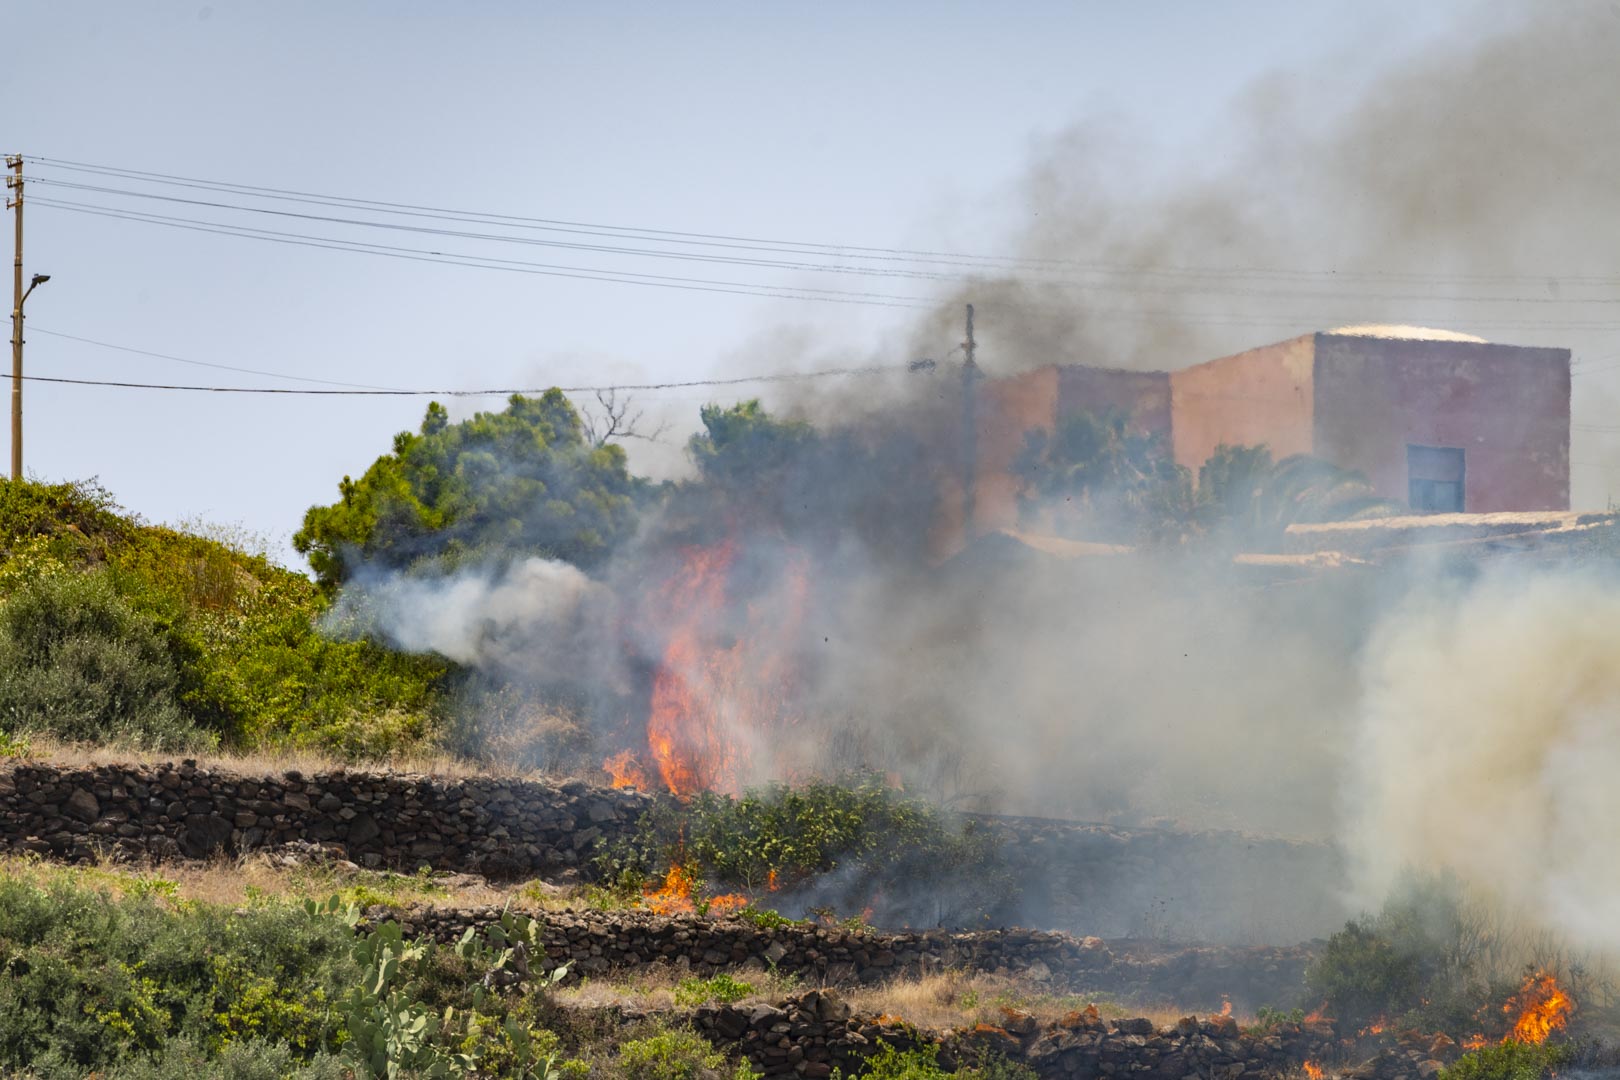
{"x": 1007, "y": 410}
{"x": 1263, "y": 395}
{"x": 1144, "y": 396}
{"x": 1506, "y": 407}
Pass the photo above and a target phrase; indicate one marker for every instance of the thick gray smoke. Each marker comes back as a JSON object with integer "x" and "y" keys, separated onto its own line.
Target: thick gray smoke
{"x": 1469, "y": 188}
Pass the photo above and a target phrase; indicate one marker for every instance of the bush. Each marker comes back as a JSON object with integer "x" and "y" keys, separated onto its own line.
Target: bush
{"x": 691, "y": 992}
{"x": 878, "y": 840}
{"x": 1511, "y": 1060}
{"x": 1424, "y": 961}
{"x": 676, "y": 1055}
{"x": 78, "y": 663}
{"x": 922, "y": 1063}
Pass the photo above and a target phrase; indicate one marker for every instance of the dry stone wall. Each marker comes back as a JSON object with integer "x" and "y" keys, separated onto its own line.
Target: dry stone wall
{"x": 598, "y": 942}
{"x": 498, "y": 827}
{"x": 1092, "y": 879}
{"x": 815, "y": 1033}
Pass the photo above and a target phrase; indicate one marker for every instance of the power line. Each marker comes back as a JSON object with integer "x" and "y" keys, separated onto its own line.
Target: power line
{"x": 486, "y": 262}
{"x": 816, "y": 249}
{"x": 776, "y": 264}
{"x": 795, "y": 376}
{"x": 203, "y": 363}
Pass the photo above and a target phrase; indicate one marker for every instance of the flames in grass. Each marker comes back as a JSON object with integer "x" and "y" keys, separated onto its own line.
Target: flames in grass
{"x": 678, "y": 896}
{"x": 724, "y": 685}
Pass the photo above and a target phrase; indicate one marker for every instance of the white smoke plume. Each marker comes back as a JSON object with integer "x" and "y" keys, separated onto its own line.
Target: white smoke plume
{"x": 1487, "y": 745}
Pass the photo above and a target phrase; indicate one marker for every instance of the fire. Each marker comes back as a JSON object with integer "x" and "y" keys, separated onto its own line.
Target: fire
{"x": 1226, "y": 1006}
{"x": 625, "y": 771}
{"x": 674, "y": 897}
{"x": 1542, "y": 1007}
{"x": 725, "y": 905}
{"x": 770, "y": 880}
{"x": 1317, "y": 1014}
{"x": 1313, "y": 1070}
{"x": 722, "y": 685}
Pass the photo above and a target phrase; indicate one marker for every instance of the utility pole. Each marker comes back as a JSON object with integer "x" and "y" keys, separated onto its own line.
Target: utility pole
{"x": 970, "y": 430}
{"x": 15, "y": 183}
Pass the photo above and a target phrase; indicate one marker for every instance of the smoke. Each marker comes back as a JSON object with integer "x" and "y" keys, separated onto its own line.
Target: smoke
{"x": 535, "y": 621}
{"x": 1486, "y": 745}
{"x": 1464, "y": 725}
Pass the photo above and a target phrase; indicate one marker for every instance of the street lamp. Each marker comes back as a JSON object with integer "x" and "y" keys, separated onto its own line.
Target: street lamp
{"x": 17, "y": 365}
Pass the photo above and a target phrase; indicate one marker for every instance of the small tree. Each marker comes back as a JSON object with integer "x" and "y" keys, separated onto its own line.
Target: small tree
{"x": 525, "y": 480}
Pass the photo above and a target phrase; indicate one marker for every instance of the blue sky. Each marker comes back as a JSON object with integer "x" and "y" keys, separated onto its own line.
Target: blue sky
{"x": 898, "y": 125}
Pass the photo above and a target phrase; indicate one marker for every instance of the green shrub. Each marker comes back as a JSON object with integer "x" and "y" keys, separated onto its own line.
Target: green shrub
{"x": 692, "y": 992}
{"x": 1511, "y": 1060}
{"x": 880, "y": 839}
{"x": 676, "y": 1055}
{"x": 1423, "y": 961}
{"x": 78, "y": 663}
{"x": 922, "y": 1063}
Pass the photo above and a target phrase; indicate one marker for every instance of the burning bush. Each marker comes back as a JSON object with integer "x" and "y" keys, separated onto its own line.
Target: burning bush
{"x": 849, "y": 845}
{"x": 1428, "y": 960}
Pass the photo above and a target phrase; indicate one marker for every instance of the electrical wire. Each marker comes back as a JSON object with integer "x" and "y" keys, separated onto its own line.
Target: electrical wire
{"x": 204, "y": 363}
{"x": 793, "y": 376}
{"x": 798, "y": 247}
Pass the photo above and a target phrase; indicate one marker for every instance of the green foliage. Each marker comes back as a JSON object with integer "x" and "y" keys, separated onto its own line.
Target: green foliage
{"x": 922, "y": 1063}
{"x": 525, "y": 480}
{"x": 692, "y": 991}
{"x": 79, "y": 663}
{"x": 1113, "y": 484}
{"x": 214, "y": 642}
{"x": 1253, "y": 499}
{"x": 1268, "y": 1019}
{"x": 674, "y": 1054}
{"x": 763, "y": 918}
{"x": 1422, "y": 961}
{"x": 807, "y": 484}
{"x": 1511, "y": 1060}
{"x": 880, "y": 838}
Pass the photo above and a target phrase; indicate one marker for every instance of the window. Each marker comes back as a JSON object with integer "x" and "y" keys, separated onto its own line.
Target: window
{"x": 1435, "y": 477}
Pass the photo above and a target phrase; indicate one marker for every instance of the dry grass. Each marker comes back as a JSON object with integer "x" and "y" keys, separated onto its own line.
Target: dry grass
{"x": 955, "y": 999}
{"x": 666, "y": 987}
{"x": 274, "y": 762}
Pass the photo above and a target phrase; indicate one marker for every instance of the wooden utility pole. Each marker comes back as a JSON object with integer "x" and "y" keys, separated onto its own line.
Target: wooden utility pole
{"x": 15, "y": 183}
{"x": 970, "y": 431}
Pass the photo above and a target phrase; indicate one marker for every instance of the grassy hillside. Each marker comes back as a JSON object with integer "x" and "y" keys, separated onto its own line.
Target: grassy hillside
{"x": 113, "y": 630}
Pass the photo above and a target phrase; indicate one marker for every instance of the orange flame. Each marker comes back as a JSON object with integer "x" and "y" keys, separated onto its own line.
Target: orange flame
{"x": 674, "y": 897}
{"x": 1313, "y": 1070}
{"x": 1317, "y": 1014}
{"x": 725, "y": 905}
{"x": 1542, "y": 1006}
{"x": 770, "y": 881}
{"x": 625, "y": 771}
{"x": 709, "y": 696}
{"x": 1475, "y": 1042}
{"x": 1226, "y": 1006}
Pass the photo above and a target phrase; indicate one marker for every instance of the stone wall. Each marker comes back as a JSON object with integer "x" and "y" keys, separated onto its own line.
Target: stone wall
{"x": 598, "y": 942}
{"x": 812, "y": 1034}
{"x": 1088, "y": 879}
{"x": 497, "y": 827}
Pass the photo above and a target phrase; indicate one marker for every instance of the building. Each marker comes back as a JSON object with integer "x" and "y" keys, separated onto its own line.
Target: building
{"x": 1436, "y": 421}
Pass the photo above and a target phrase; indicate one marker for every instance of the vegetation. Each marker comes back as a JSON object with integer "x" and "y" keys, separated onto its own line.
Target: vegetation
{"x": 878, "y": 840}
{"x": 1511, "y": 1060}
{"x": 114, "y": 631}
{"x": 675, "y": 1054}
{"x": 1118, "y": 485}
{"x": 1428, "y": 960}
{"x": 142, "y": 985}
{"x": 525, "y": 480}
{"x": 922, "y": 1063}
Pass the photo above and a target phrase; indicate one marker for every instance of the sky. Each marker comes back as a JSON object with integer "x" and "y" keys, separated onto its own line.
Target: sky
{"x": 904, "y": 125}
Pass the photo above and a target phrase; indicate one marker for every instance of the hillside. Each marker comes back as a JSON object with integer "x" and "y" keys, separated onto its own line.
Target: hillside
{"x": 113, "y": 629}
